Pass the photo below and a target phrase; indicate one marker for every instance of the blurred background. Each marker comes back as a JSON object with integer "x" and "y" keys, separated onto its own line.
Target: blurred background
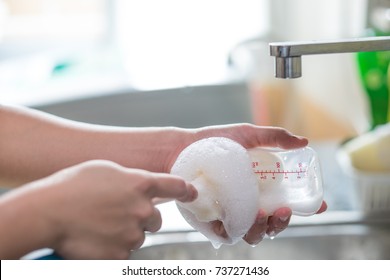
{"x": 199, "y": 62}
{"x": 101, "y": 56}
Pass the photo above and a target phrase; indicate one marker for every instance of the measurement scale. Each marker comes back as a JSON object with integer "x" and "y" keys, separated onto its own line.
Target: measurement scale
{"x": 276, "y": 165}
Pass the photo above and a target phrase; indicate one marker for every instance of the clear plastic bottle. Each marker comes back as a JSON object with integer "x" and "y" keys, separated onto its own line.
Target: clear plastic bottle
{"x": 233, "y": 183}
{"x": 288, "y": 178}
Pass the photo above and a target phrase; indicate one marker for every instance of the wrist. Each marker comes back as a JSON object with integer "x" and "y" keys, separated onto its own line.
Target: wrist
{"x": 24, "y": 227}
{"x": 176, "y": 142}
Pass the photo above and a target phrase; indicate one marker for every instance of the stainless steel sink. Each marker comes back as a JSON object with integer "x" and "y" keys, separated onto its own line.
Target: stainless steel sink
{"x": 323, "y": 241}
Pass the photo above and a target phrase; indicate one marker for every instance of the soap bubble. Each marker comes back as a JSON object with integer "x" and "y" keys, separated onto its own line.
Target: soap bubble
{"x": 220, "y": 169}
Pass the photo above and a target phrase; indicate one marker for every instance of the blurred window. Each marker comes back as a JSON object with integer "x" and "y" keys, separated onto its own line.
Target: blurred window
{"x": 36, "y": 24}
{"x": 180, "y": 43}
{"x": 83, "y": 45}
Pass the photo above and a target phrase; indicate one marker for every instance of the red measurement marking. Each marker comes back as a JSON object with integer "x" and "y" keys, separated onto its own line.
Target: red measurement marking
{"x": 286, "y": 173}
{"x": 279, "y": 172}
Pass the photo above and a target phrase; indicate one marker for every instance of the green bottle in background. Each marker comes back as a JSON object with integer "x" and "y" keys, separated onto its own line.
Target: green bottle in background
{"x": 374, "y": 66}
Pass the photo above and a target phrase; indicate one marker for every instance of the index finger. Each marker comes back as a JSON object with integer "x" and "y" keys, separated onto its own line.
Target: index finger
{"x": 168, "y": 186}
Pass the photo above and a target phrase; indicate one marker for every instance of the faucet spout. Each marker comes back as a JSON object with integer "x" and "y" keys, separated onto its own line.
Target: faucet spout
{"x": 288, "y": 54}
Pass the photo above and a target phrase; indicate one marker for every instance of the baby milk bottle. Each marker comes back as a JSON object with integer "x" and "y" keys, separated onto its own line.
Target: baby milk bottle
{"x": 288, "y": 178}
{"x": 233, "y": 183}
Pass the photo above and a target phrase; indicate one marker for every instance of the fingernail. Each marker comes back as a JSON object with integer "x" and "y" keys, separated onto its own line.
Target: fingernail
{"x": 193, "y": 192}
{"x": 261, "y": 217}
{"x": 262, "y": 236}
{"x": 284, "y": 218}
{"x": 254, "y": 243}
{"x": 261, "y": 221}
{"x": 272, "y": 234}
{"x": 299, "y": 137}
{"x": 190, "y": 195}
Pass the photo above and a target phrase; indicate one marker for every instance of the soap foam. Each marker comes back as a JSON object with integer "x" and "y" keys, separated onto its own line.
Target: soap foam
{"x": 220, "y": 169}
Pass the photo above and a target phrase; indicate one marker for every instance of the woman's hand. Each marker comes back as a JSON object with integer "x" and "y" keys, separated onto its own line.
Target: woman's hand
{"x": 264, "y": 224}
{"x": 272, "y": 225}
{"x": 94, "y": 210}
{"x": 250, "y": 136}
{"x": 109, "y": 208}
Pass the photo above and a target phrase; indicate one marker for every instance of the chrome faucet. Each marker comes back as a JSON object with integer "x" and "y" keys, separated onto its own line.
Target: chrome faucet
{"x": 288, "y": 55}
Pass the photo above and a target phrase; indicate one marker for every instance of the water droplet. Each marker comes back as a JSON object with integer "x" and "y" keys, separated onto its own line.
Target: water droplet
{"x": 216, "y": 244}
{"x": 272, "y": 235}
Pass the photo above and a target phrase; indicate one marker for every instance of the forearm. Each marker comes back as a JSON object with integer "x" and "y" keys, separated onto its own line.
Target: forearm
{"x": 34, "y": 145}
{"x": 22, "y": 229}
